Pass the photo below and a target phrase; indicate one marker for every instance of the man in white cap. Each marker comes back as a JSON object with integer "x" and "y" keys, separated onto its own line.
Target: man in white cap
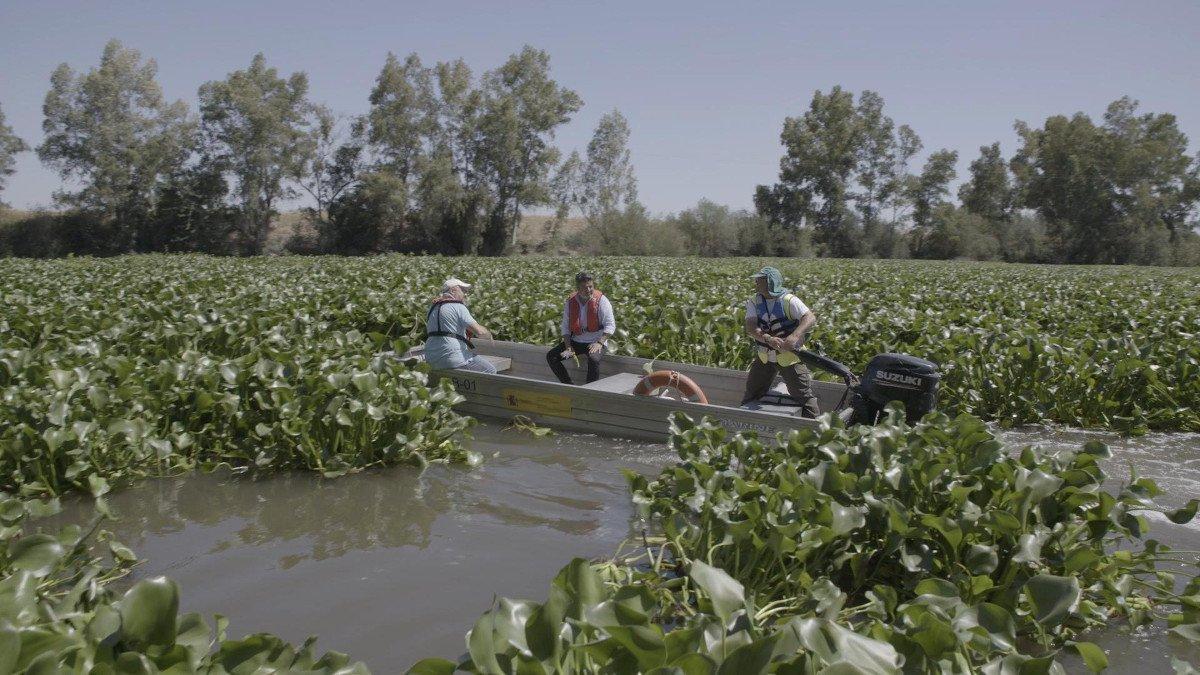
{"x": 449, "y": 328}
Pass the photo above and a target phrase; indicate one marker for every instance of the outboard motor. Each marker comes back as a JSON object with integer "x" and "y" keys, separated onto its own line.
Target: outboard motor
{"x": 896, "y": 377}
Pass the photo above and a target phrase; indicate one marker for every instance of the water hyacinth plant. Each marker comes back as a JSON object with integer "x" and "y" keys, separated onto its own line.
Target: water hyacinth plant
{"x": 1100, "y": 347}
{"x": 866, "y": 550}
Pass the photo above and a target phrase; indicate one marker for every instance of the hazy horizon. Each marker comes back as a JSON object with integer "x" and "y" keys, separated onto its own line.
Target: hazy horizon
{"x": 705, "y": 87}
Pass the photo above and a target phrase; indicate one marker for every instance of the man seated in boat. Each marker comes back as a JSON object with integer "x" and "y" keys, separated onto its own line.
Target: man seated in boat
{"x": 587, "y": 323}
{"x": 449, "y": 328}
{"x": 777, "y": 321}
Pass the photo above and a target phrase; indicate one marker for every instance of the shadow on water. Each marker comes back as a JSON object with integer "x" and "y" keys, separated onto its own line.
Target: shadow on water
{"x": 395, "y": 565}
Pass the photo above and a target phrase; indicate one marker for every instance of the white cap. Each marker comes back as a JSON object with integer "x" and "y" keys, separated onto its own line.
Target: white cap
{"x": 452, "y": 282}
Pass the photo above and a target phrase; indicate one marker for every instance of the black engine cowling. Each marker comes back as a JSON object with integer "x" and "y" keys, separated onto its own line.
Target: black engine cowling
{"x": 896, "y": 377}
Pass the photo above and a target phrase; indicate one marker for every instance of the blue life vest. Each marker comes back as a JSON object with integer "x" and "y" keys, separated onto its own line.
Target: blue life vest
{"x": 773, "y": 316}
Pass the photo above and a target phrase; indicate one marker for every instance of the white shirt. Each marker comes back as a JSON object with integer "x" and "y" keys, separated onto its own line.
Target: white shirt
{"x": 608, "y": 324}
{"x": 796, "y": 310}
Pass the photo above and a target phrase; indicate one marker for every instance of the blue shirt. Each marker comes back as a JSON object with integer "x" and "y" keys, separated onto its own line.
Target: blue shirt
{"x": 444, "y": 352}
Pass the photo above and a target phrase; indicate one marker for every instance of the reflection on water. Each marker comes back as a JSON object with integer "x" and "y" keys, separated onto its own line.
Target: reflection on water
{"x": 394, "y": 565}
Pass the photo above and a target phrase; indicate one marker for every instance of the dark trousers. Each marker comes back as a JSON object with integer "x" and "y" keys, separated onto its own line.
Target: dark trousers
{"x": 796, "y": 377}
{"x": 554, "y": 358}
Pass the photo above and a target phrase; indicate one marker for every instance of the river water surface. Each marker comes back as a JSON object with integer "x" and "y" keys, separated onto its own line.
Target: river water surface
{"x": 392, "y": 566}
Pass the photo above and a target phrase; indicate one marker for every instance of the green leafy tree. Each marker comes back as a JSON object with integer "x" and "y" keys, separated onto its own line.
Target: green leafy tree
{"x": 816, "y": 172}
{"x": 256, "y": 124}
{"x": 402, "y": 118}
{"x": 332, "y": 165}
{"x": 608, "y": 180}
{"x": 845, "y": 167}
{"x": 519, "y": 109}
{"x": 111, "y": 131}
{"x": 931, "y": 188}
{"x": 883, "y": 153}
{"x": 988, "y": 192}
{"x": 927, "y": 193}
{"x": 10, "y": 145}
{"x": 566, "y": 193}
{"x": 1117, "y": 192}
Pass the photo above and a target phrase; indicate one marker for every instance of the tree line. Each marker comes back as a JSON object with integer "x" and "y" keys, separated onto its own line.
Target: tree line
{"x": 445, "y": 161}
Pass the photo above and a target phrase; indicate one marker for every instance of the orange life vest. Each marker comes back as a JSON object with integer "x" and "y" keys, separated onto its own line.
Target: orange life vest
{"x": 593, "y": 312}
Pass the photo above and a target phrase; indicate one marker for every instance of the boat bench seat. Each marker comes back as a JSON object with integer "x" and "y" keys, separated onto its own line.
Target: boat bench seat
{"x": 621, "y": 383}
{"x": 503, "y": 364}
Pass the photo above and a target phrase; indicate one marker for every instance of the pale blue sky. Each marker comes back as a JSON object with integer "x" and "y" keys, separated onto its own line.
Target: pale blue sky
{"x": 705, "y": 86}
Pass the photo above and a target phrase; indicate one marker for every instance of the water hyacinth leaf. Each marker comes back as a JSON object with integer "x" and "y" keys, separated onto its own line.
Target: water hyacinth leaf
{"x": 1184, "y": 514}
{"x": 832, "y": 643}
{"x": 194, "y": 633}
{"x": 1182, "y": 667}
{"x": 35, "y": 553}
{"x": 98, "y": 486}
{"x": 1052, "y": 597}
{"x": 1092, "y": 656}
{"x": 689, "y": 664}
{"x": 149, "y": 611}
{"x": 1188, "y": 631}
{"x": 583, "y": 588}
{"x": 998, "y": 623}
{"x": 10, "y": 647}
{"x": 846, "y": 519}
{"x": 1029, "y": 548}
{"x": 645, "y": 643}
{"x": 934, "y": 635}
{"x": 981, "y": 559}
{"x": 751, "y": 658}
{"x": 727, "y": 594}
{"x": 43, "y": 508}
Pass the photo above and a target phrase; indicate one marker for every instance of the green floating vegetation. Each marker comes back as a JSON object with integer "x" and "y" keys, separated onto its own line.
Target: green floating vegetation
{"x": 1106, "y": 347}
{"x": 149, "y": 371}
{"x": 886, "y": 549}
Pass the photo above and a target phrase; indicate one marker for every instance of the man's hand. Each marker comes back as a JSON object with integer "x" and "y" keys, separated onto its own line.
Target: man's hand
{"x": 567, "y": 353}
{"x": 595, "y": 348}
{"x": 794, "y": 341}
{"x": 776, "y": 343}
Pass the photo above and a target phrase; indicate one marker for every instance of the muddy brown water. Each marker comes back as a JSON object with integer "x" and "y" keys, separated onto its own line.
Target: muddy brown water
{"x": 392, "y": 566}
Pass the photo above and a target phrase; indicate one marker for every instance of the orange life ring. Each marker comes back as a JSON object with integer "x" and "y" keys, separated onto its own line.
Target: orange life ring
{"x": 669, "y": 379}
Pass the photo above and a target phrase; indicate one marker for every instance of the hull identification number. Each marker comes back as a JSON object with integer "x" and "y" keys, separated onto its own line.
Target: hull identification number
{"x": 537, "y": 402}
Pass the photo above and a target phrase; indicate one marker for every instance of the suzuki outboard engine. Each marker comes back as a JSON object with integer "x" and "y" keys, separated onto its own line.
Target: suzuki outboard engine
{"x": 896, "y": 377}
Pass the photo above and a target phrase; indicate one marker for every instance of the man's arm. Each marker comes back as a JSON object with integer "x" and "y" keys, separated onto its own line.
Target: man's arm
{"x": 477, "y": 330}
{"x": 565, "y": 327}
{"x": 795, "y": 339}
{"x": 608, "y": 323}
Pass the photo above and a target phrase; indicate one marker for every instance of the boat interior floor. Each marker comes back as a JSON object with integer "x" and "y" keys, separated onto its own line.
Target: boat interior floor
{"x": 776, "y": 401}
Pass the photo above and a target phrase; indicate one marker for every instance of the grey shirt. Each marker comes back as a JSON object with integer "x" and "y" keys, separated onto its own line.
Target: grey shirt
{"x": 444, "y": 351}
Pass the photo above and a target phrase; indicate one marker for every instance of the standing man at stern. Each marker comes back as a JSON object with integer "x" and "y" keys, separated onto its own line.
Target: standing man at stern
{"x": 587, "y": 324}
{"x": 777, "y": 321}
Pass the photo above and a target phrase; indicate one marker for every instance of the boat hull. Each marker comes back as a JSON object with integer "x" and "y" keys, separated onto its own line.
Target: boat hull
{"x": 608, "y": 407}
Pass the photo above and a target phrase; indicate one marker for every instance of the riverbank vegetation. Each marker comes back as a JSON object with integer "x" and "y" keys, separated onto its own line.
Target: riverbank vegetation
{"x": 447, "y": 161}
